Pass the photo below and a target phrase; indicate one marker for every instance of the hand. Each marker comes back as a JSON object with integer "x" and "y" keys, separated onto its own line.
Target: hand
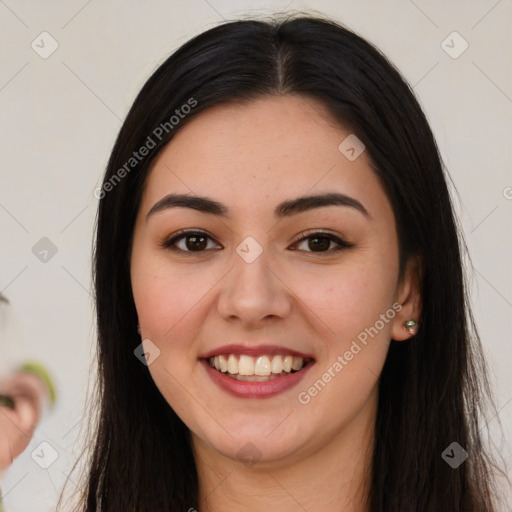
{"x": 17, "y": 425}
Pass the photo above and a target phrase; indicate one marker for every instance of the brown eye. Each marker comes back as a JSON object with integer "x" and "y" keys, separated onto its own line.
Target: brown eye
{"x": 188, "y": 241}
{"x": 195, "y": 242}
{"x": 321, "y": 242}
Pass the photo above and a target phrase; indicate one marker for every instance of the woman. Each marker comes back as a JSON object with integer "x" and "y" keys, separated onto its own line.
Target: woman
{"x": 280, "y": 299}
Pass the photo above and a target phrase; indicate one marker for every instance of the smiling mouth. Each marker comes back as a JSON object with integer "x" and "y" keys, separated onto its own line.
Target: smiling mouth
{"x": 257, "y": 369}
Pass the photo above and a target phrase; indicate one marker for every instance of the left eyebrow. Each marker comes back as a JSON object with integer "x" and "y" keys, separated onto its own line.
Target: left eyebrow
{"x": 282, "y": 210}
{"x": 304, "y": 203}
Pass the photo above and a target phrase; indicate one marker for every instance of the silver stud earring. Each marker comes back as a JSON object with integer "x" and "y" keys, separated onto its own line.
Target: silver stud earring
{"x": 410, "y": 326}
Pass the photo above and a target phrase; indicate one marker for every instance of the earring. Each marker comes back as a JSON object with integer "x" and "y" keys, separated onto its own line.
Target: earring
{"x": 410, "y": 326}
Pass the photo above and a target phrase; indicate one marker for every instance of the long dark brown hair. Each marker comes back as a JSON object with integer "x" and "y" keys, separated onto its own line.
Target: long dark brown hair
{"x": 432, "y": 389}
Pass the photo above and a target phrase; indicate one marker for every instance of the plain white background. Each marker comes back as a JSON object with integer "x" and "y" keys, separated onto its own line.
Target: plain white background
{"x": 61, "y": 114}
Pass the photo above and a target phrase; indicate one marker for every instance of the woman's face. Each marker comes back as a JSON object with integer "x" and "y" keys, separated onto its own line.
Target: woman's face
{"x": 246, "y": 287}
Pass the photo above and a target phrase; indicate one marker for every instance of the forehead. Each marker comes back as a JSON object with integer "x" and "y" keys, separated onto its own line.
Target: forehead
{"x": 269, "y": 149}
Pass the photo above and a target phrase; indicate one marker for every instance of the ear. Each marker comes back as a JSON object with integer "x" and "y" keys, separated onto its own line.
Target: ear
{"x": 409, "y": 297}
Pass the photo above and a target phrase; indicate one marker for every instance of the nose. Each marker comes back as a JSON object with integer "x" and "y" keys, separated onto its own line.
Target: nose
{"x": 255, "y": 292}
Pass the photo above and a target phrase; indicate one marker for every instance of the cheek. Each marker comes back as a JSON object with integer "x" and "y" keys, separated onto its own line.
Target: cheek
{"x": 170, "y": 301}
{"x": 354, "y": 305}
{"x": 350, "y": 298}
{"x": 166, "y": 295}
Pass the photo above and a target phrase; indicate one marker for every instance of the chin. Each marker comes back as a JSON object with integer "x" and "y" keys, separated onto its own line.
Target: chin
{"x": 262, "y": 444}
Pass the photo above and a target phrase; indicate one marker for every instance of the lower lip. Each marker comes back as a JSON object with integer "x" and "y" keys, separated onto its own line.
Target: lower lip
{"x": 246, "y": 389}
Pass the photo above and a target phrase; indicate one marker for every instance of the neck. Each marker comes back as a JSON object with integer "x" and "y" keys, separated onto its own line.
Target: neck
{"x": 332, "y": 478}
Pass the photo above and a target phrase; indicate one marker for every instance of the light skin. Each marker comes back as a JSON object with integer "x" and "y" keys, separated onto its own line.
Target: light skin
{"x": 298, "y": 294}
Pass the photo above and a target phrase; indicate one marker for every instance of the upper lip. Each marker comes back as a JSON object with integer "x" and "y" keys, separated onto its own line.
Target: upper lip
{"x": 254, "y": 351}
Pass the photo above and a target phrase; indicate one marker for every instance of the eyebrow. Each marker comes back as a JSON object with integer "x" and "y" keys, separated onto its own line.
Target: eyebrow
{"x": 282, "y": 210}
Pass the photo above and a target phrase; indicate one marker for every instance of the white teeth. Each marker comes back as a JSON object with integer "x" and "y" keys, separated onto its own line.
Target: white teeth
{"x": 266, "y": 367}
{"x": 232, "y": 364}
{"x": 262, "y": 366}
{"x": 223, "y": 363}
{"x": 277, "y": 364}
{"x": 246, "y": 365}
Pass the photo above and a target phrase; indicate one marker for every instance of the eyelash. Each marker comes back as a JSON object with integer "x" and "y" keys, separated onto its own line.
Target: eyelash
{"x": 305, "y": 235}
